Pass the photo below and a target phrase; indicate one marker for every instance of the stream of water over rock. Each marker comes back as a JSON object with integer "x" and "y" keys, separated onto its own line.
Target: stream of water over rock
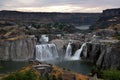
{"x": 76, "y": 56}
{"x": 49, "y": 53}
{"x": 46, "y": 52}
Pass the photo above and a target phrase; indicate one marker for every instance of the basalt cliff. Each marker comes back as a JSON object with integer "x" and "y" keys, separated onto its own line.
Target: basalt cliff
{"x": 16, "y": 46}
{"x": 105, "y": 54}
{"x": 45, "y": 18}
{"x": 103, "y": 49}
{"x": 109, "y": 18}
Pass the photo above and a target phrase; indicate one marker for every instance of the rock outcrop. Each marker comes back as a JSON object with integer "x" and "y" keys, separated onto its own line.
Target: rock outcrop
{"x": 111, "y": 57}
{"x": 104, "y": 54}
{"x": 109, "y": 17}
{"x": 17, "y": 50}
{"x": 105, "y": 33}
{"x": 111, "y": 12}
{"x": 62, "y": 45}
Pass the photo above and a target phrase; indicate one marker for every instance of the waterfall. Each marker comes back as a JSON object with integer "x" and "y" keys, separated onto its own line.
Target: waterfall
{"x": 76, "y": 56}
{"x": 44, "y": 39}
{"x": 46, "y": 52}
{"x": 68, "y": 51}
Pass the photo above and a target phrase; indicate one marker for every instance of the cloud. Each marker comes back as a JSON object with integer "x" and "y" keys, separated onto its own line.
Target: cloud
{"x": 60, "y": 8}
{"x": 59, "y": 5}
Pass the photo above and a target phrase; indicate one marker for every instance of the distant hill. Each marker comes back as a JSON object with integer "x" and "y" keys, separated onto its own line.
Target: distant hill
{"x": 45, "y": 17}
{"x": 109, "y": 18}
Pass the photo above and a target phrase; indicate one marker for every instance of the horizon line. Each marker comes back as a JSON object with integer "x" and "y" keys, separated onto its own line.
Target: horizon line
{"x": 46, "y": 11}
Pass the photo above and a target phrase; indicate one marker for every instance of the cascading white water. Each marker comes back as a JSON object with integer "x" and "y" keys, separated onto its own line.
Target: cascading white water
{"x": 68, "y": 51}
{"x": 44, "y": 39}
{"x": 46, "y": 52}
{"x": 77, "y": 54}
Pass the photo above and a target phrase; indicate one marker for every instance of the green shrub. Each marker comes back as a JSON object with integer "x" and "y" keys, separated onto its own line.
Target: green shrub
{"x": 45, "y": 77}
{"x": 27, "y": 75}
{"x": 117, "y": 36}
{"x": 30, "y": 75}
{"x": 111, "y": 74}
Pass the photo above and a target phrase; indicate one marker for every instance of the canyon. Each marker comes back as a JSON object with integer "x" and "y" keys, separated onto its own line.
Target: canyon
{"x": 100, "y": 46}
{"x": 45, "y": 18}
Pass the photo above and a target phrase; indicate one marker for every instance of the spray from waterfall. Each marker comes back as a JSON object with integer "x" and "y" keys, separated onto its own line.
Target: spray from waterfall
{"x": 46, "y": 52}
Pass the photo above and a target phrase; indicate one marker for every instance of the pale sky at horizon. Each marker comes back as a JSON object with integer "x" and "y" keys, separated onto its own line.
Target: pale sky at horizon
{"x": 59, "y": 5}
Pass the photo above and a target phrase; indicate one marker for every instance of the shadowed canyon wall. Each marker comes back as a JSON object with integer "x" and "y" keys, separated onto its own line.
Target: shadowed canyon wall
{"x": 105, "y": 55}
{"x": 44, "y": 17}
{"x": 109, "y": 17}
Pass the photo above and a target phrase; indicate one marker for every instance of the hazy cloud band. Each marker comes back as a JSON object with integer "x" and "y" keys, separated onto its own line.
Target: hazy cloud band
{"x": 59, "y": 5}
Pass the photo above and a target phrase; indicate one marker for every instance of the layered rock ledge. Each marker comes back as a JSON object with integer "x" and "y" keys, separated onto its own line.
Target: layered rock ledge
{"x": 17, "y": 50}
{"x": 104, "y": 53}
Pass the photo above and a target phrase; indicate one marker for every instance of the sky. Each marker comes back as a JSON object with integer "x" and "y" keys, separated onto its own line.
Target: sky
{"x": 59, "y": 5}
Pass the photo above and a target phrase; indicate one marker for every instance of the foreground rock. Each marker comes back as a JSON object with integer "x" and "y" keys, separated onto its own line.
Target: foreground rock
{"x": 44, "y": 71}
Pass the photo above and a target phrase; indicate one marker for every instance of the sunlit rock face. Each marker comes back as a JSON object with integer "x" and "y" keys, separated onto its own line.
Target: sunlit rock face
{"x": 63, "y": 44}
{"x": 17, "y": 50}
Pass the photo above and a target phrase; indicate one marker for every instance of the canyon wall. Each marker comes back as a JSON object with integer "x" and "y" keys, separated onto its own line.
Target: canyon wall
{"x": 111, "y": 12}
{"x": 104, "y": 54}
{"x": 17, "y": 50}
{"x": 109, "y": 17}
{"x": 46, "y": 17}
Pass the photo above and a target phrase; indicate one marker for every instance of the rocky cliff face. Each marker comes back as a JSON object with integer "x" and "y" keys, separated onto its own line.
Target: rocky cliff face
{"x": 62, "y": 45}
{"x": 104, "y": 54}
{"x": 109, "y": 17}
{"x": 17, "y": 50}
{"x": 39, "y": 17}
{"x": 111, "y": 57}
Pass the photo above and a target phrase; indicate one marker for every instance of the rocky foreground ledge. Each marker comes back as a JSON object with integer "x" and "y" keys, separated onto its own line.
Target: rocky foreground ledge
{"x": 42, "y": 71}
